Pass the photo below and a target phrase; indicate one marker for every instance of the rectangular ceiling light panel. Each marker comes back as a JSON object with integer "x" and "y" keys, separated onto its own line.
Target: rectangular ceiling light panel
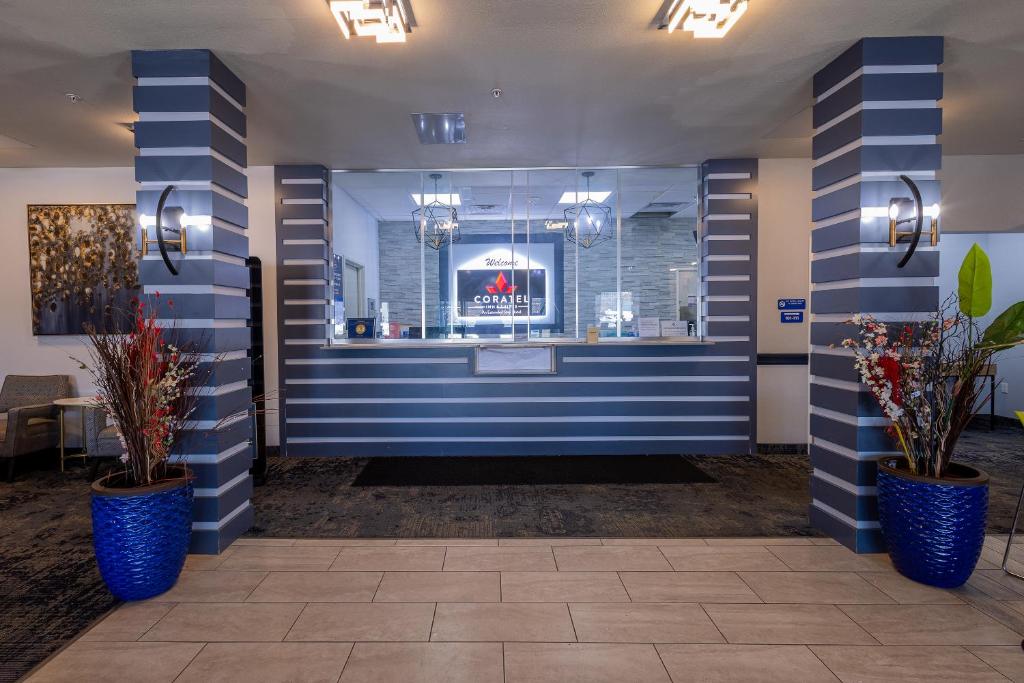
{"x": 440, "y": 129}
{"x": 385, "y": 20}
{"x": 705, "y": 18}
{"x": 452, "y": 199}
{"x": 576, "y": 197}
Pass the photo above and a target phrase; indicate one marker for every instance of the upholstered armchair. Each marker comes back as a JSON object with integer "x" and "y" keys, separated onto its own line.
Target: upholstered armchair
{"x": 28, "y": 418}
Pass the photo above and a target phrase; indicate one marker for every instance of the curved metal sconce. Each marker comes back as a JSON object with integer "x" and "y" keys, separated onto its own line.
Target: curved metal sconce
{"x": 899, "y": 207}
{"x": 162, "y": 243}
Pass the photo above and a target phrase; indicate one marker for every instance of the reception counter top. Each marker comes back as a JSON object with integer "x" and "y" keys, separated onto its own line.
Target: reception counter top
{"x": 554, "y": 341}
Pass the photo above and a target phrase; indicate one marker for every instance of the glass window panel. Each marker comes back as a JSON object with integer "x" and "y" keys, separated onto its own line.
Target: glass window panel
{"x": 551, "y": 257}
{"x": 526, "y": 254}
{"x": 478, "y": 278}
{"x": 593, "y": 240}
{"x": 660, "y": 271}
{"x": 375, "y": 232}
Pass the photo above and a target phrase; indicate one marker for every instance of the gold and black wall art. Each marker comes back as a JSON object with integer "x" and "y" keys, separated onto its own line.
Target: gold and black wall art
{"x": 83, "y": 267}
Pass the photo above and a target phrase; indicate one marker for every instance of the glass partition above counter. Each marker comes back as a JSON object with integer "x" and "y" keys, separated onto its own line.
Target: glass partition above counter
{"x": 516, "y": 256}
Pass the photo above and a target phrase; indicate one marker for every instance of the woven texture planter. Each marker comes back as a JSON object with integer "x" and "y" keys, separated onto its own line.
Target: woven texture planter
{"x": 141, "y": 535}
{"x": 933, "y": 528}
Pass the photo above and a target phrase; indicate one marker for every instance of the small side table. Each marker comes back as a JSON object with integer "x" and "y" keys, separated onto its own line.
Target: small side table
{"x": 81, "y": 402}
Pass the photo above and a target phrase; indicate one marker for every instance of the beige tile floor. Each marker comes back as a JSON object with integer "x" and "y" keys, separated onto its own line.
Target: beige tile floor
{"x": 560, "y": 610}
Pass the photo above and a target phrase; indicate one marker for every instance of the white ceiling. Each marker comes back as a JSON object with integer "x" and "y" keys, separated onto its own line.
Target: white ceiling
{"x": 586, "y": 82}
{"x": 523, "y": 195}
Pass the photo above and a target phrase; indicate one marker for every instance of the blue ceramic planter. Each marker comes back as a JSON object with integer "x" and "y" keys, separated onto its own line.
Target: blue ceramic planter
{"x": 141, "y": 535}
{"x": 933, "y": 528}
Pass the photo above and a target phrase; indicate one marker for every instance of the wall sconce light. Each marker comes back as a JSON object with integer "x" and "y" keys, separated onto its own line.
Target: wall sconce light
{"x": 905, "y": 210}
{"x": 177, "y": 221}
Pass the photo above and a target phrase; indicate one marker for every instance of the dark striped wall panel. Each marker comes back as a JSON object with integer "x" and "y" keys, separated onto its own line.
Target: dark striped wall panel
{"x": 191, "y": 134}
{"x": 627, "y": 398}
{"x": 302, "y": 219}
{"x": 728, "y": 240}
{"x": 876, "y": 116}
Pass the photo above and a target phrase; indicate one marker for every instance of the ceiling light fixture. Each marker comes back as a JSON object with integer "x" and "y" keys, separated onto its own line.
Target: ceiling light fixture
{"x": 588, "y": 222}
{"x": 703, "y": 18}
{"x": 453, "y": 198}
{"x": 386, "y": 20}
{"x": 575, "y": 197}
{"x": 436, "y": 222}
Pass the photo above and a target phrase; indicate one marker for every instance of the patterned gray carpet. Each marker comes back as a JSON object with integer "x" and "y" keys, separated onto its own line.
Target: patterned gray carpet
{"x": 50, "y": 589}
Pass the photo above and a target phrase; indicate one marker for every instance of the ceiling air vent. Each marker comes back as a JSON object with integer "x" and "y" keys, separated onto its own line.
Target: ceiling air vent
{"x": 440, "y": 129}
{"x": 486, "y": 209}
{"x": 660, "y": 209}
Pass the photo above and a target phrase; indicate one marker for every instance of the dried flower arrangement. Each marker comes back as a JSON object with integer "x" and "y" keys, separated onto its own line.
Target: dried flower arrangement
{"x": 924, "y": 375}
{"x": 146, "y": 384}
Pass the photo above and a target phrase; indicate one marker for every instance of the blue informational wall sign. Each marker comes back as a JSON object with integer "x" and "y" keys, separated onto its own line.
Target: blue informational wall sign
{"x": 792, "y": 304}
{"x": 795, "y": 317}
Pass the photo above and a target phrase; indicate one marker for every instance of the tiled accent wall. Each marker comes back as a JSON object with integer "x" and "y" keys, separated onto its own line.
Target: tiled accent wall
{"x": 651, "y": 245}
{"x": 191, "y": 134}
{"x": 728, "y": 242}
{"x": 302, "y": 219}
{"x": 876, "y": 116}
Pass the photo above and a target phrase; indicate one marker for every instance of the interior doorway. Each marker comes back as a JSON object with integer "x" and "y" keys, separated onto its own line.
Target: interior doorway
{"x": 354, "y": 284}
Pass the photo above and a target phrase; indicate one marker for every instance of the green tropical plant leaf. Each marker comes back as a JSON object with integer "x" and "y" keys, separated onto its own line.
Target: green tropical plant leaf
{"x": 975, "y": 280}
{"x": 1007, "y": 329}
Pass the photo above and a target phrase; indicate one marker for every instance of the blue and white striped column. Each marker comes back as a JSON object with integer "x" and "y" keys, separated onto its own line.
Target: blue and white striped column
{"x": 191, "y": 134}
{"x": 304, "y": 297}
{"x": 728, "y": 241}
{"x": 876, "y": 116}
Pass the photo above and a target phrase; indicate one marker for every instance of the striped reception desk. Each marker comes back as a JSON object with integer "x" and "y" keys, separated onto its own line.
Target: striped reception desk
{"x": 405, "y": 398}
{"x": 422, "y": 397}
{"x": 191, "y": 134}
{"x": 876, "y": 116}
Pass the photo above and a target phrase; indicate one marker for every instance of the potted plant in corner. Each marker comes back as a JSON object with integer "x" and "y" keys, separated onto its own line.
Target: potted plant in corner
{"x": 924, "y": 377}
{"x": 142, "y": 513}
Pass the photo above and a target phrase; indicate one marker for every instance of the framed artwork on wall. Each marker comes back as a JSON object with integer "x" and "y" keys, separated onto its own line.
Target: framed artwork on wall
{"x": 83, "y": 267}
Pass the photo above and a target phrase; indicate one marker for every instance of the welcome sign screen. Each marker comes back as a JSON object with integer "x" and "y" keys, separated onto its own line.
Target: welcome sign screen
{"x": 502, "y": 293}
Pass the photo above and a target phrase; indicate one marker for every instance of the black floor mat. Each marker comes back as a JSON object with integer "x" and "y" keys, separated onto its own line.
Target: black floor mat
{"x": 505, "y": 471}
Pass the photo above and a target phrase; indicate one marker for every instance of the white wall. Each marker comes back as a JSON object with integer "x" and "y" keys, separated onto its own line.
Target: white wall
{"x": 22, "y": 353}
{"x": 982, "y": 193}
{"x": 783, "y": 272}
{"x": 1006, "y": 253}
{"x": 355, "y": 238}
{"x": 263, "y": 243}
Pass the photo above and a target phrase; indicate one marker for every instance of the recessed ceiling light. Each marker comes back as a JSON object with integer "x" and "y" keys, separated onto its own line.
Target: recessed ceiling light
{"x": 703, "y": 18}
{"x": 577, "y": 197}
{"x": 386, "y": 20}
{"x": 440, "y": 129}
{"x": 452, "y": 199}
{"x": 73, "y": 98}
